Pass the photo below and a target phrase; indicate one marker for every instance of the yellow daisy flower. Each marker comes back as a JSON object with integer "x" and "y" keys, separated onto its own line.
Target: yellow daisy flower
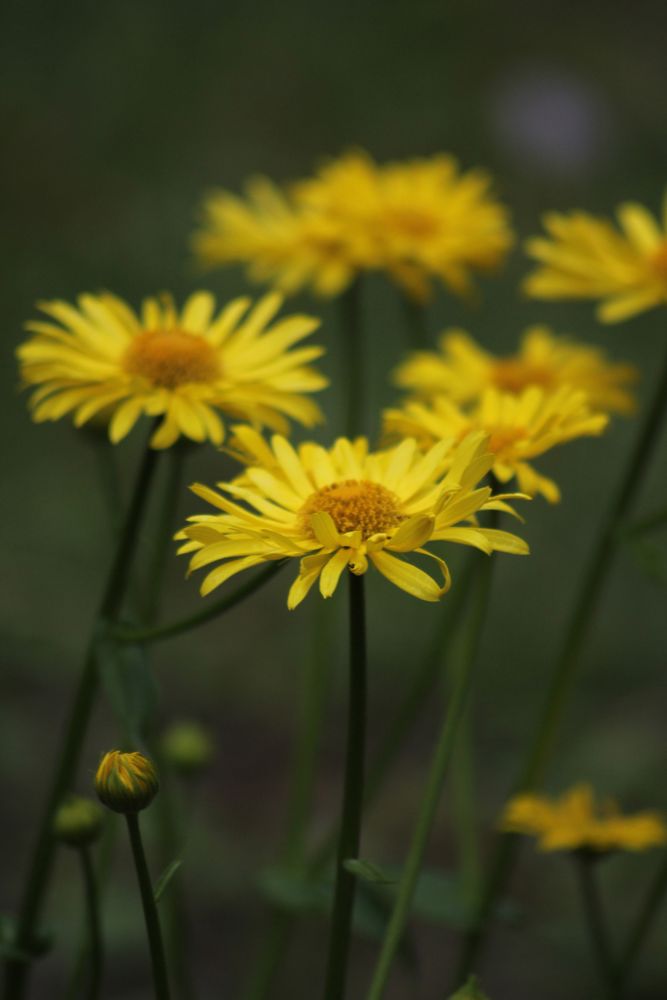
{"x": 586, "y": 257}
{"x": 462, "y": 369}
{"x": 347, "y": 507}
{"x": 520, "y": 427}
{"x": 575, "y": 821}
{"x": 280, "y": 243}
{"x": 417, "y": 221}
{"x": 187, "y": 367}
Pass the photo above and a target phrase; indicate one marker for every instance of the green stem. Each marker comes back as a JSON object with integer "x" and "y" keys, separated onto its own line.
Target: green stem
{"x": 16, "y": 971}
{"x": 586, "y": 874}
{"x": 564, "y": 673}
{"x": 462, "y": 682}
{"x": 160, "y": 984}
{"x": 93, "y": 924}
{"x": 157, "y": 633}
{"x": 314, "y": 687}
{"x": 465, "y": 819}
{"x": 647, "y": 914}
{"x": 353, "y": 792}
{"x": 415, "y": 323}
{"x": 354, "y": 359}
{"x": 163, "y": 532}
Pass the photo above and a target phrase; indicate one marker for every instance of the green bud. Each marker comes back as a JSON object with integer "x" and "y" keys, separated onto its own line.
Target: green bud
{"x": 187, "y": 747}
{"x": 126, "y": 782}
{"x": 78, "y": 822}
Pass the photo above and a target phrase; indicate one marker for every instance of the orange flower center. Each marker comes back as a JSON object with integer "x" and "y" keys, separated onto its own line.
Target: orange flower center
{"x": 411, "y": 222}
{"x": 169, "y": 358}
{"x": 504, "y": 437}
{"x": 513, "y": 375}
{"x": 659, "y": 261}
{"x": 355, "y": 505}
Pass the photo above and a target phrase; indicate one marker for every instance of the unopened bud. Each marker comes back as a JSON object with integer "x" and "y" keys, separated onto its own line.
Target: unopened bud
{"x": 126, "y": 782}
{"x": 470, "y": 991}
{"x": 78, "y": 822}
{"x": 187, "y": 747}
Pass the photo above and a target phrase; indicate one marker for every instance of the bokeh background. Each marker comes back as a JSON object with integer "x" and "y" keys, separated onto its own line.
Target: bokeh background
{"x": 116, "y": 118}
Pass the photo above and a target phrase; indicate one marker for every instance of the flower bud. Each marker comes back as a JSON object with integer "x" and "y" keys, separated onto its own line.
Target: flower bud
{"x": 126, "y": 782}
{"x": 187, "y": 747}
{"x": 78, "y": 822}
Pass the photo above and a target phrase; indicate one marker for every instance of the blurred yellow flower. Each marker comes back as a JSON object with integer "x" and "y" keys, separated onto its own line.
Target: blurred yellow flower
{"x": 586, "y": 257}
{"x": 575, "y": 821}
{"x": 520, "y": 427}
{"x": 186, "y": 367}
{"x": 417, "y": 220}
{"x": 346, "y": 507}
{"x": 462, "y": 369}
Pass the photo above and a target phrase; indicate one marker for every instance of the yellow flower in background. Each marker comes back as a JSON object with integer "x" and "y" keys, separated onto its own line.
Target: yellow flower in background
{"x": 575, "y": 821}
{"x": 462, "y": 369}
{"x": 347, "y": 507}
{"x": 187, "y": 367}
{"x": 426, "y": 219}
{"x": 418, "y": 221}
{"x": 519, "y": 428}
{"x": 280, "y": 244}
{"x": 587, "y": 257}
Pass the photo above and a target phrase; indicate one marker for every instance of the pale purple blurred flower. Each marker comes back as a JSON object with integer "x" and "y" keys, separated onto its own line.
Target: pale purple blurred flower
{"x": 552, "y": 120}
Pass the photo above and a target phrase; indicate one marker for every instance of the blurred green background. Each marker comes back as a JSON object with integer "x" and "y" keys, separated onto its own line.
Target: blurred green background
{"x": 116, "y": 118}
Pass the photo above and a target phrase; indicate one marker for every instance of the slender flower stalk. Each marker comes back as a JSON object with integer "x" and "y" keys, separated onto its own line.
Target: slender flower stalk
{"x": 462, "y": 682}
{"x": 348, "y": 844}
{"x": 420, "y": 687}
{"x": 353, "y": 374}
{"x": 93, "y": 924}
{"x": 16, "y": 971}
{"x": 564, "y": 674}
{"x": 160, "y": 982}
{"x": 647, "y": 914}
{"x": 586, "y": 870}
{"x": 158, "y": 633}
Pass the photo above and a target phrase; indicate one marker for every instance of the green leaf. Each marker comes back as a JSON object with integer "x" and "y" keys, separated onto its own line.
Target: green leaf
{"x": 470, "y": 991}
{"x": 367, "y": 871}
{"x": 165, "y": 878}
{"x": 129, "y": 684}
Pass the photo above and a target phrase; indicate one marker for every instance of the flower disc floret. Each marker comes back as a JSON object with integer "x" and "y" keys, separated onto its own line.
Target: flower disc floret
{"x": 347, "y": 508}
{"x": 170, "y": 358}
{"x": 355, "y": 505}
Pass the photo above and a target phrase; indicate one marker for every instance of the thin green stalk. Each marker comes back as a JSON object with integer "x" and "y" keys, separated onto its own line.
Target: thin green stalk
{"x": 74, "y": 989}
{"x": 462, "y": 682}
{"x": 158, "y": 633}
{"x": 163, "y": 532}
{"x": 16, "y": 970}
{"x": 654, "y": 899}
{"x": 585, "y": 868}
{"x": 93, "y": 924}
{"x": 464, "y": 811}
{"x": 564, "y": 674}
{"x": 314, "y": 688}
{"x": 353, "y": 793}
{"x": 415, "y": 323}
{"x": 354, "y": 359}
{"x": 411, "y": 703}
{"x": 160, "y": 983}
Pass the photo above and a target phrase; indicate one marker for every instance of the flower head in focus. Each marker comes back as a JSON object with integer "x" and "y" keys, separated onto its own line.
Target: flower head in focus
{"x": 462, "y": 370}
{"x": 575, "y": 821}
{"x": 347, "y": 508}
{"x": 519, "y": 428}
{"x": 186, "y": 366}
{"x": 126, "y": 782}
{"x": 418, "y": 221}
{"x": 587, "y": 257}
